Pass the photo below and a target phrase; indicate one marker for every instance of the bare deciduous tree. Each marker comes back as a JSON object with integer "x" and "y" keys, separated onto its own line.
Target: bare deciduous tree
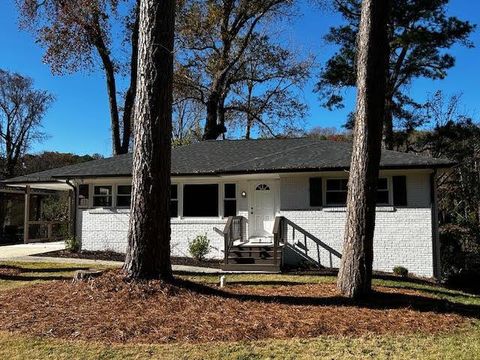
{"x": 213, "y": 40}
{"x": 22, "y": 109}
{"x": 188, "y": 114}
{"x": 266, "y": 87}
{"x": 79, "y": 33}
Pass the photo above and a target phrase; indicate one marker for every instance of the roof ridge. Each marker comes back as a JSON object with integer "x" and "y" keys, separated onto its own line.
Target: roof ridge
{"x": 261, "y": 139}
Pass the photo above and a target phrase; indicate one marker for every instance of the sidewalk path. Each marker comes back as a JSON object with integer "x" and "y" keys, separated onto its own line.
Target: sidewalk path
{"x": 11, "y": 252}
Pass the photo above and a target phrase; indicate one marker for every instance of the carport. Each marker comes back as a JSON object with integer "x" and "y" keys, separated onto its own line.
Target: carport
{"x": 35, "y": 228}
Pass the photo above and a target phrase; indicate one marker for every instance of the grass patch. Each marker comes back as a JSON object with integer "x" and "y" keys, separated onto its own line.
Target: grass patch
{"x": 458, "y": 345}
{"x": 29, "y": 273}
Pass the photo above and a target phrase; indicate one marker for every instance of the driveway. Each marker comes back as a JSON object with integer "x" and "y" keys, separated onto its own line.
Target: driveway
{"x": 11, "y": 252}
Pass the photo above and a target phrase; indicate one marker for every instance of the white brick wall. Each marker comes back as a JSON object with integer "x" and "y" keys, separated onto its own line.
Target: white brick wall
{"x": 403, "y": 236}
{"x": 106, "y": 230}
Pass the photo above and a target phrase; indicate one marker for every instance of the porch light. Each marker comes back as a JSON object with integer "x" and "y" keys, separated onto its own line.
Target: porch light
{"x": 244, "y": 194}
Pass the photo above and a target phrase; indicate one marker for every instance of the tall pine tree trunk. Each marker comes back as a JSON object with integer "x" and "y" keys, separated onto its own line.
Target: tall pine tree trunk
{"x": 148, "y": 253}
{"x": 355, "y": 276}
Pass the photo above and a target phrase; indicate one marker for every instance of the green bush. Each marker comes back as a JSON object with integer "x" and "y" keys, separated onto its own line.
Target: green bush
{"x": 199, "y": 247}
{"x": 72, "y": 245}
{"x": 400, "y": 271}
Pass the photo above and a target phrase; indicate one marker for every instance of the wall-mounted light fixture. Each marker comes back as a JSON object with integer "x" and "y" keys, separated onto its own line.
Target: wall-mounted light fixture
{"x": 244, "y": 194}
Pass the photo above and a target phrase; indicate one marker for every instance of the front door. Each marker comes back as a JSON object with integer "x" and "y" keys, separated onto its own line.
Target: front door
{"x": 262, "y": 209}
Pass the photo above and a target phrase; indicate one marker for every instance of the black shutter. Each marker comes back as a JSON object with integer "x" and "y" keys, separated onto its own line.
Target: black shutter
{"x": 400, "y": 191}
{"x": 316, "y": 191}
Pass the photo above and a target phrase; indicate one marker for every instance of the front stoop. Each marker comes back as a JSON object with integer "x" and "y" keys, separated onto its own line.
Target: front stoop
{"x": 253, "y": 258}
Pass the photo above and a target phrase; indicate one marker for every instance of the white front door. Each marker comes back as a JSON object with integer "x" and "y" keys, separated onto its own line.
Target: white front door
{"x": 262, "y": 209}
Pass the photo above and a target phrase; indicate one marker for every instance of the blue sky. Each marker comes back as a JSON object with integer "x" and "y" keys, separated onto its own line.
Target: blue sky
{"x": 78, "y": 121}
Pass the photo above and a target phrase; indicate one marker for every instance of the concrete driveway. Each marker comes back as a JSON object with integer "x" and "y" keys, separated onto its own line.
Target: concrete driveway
{"x": 11, "y": 252}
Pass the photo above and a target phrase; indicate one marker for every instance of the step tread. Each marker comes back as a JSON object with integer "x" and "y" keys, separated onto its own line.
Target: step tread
{"x": 252, "y": 267}
{"x": 250, "y": 261}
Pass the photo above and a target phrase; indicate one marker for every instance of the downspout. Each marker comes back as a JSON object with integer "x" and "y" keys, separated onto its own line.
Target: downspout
{"x": 74, "y": 208}
{"x": 435, "y": 231}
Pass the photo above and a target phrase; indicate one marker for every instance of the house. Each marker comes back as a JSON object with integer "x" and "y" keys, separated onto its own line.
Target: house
{"x": 263, "y": 203}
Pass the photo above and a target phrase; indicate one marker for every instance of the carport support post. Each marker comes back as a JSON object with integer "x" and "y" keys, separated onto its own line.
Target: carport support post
{"x": 26, "y": 227}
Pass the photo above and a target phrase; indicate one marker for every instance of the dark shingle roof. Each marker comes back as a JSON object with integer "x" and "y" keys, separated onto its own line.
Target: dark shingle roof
{"x": 243, "y": 156}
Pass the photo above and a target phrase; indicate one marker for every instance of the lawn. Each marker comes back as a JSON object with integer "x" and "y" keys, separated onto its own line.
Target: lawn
{"x": 460, "y": 342}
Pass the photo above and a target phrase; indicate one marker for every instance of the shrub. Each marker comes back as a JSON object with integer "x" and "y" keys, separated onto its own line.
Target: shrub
{"x": 72, "y": 245}
{"x": 400, "y": 271}
{"x": 199, "y": 247}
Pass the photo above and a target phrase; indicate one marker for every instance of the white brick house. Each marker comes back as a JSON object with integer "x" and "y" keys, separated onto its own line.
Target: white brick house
{"x": 289, "y": 192}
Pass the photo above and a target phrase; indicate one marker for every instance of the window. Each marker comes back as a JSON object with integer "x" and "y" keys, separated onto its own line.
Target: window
{"x": 200, "y": 200}
{"x": 174, "y": 201}
{"x": 315, "y": 191}
{"x": 399, "y": 190}
{"x": 382, "y": 191}
{"x": 230, "y": 200}
{"x": 262, "y": 187}
{"x": 83, "y": 195}
{"x": 102, "y": 196}
{"x": 124, "y": 195}
{"x": 336, "y": 193}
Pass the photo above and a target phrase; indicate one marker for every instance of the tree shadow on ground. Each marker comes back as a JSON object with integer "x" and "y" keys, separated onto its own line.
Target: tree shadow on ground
{"x": 33, "y": 278}
{"x": 439, "y": 291}
{"x": 17, "y": 273}
{"x": 43, "y": 270}
{"x": 377, "y": 301}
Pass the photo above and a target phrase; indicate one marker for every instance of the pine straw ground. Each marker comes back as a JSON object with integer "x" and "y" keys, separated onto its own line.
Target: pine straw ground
{"x": 111, "y": 309}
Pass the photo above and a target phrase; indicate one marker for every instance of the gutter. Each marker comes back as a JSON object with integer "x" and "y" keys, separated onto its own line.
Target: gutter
{"x": 74, "y": 215}
{"x": 270, "y": 171}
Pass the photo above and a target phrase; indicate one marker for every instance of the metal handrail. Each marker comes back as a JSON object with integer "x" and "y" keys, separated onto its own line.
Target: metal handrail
{"x": 280, "y": 234}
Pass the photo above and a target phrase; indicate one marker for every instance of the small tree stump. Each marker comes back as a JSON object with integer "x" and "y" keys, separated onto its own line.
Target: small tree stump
{"x": 84, "y": 275}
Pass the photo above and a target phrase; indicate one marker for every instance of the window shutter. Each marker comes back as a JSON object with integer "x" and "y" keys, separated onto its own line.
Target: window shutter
{"x": 316, "y": 191}
{"x": 399, "y": 190}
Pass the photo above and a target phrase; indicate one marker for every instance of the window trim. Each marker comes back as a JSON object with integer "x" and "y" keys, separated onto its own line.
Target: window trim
{"x": 330, "y": 191}
{"x": 112, "y": 196}
{"x": 116, "y": 194}
{"x": 177, "y": 199}
{"x": 389, "y": 190}
{"x": 224, "y": 198}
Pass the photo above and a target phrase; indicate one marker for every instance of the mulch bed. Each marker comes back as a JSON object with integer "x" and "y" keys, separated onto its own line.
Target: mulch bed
{"x": 91, "y": 255}
{"x": 113, "y": 256}
{"x": 111, "y": 309}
